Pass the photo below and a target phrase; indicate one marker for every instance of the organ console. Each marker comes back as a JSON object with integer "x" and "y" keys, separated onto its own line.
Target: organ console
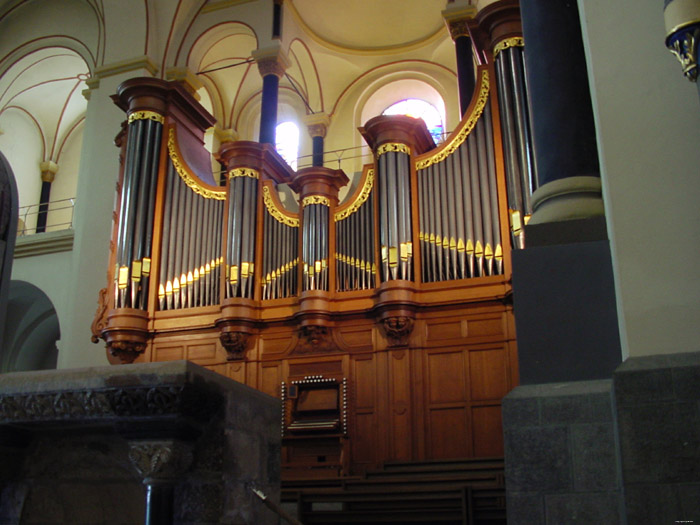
{"x": 396, "y": 298}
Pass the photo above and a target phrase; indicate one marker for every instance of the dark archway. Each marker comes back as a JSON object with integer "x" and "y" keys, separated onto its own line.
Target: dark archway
{"x": 31, "y": 330}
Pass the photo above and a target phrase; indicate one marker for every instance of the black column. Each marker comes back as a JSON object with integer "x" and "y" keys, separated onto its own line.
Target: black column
{"x": 465, "y": 71}
{"x": 268, "y": 112}
{"x": 317, "y": 152}
{"x": 564, "y": 130}
{"x": 43, "y": 206}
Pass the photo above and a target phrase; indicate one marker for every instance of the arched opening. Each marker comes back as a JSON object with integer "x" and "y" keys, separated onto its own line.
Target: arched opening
{"x": 287, "y": 142}
{"x": 417, "y": 108}
{"x": 31, "y": 330}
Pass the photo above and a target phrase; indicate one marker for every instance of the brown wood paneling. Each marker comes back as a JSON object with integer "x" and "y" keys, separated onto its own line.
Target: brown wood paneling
{"x": 324, "y": 368}
{"x": 487, "y": 431}
{"x": 488, "y": 374}
{"x": 364, "y": 380}
{"x": 236, "y": 371}
{"x": 486, "y": 327}
{"x": 441, "y": 331}
{"x": 401, "y": 429}
{"x": 446, "y": 377}
{"x": 449, "y": 433}
{"x": 202, "y": 353}
{"x": 270, "y": 379}
{"x": 356, "y": 338}
{"x": 363, "y": 438}
{"x": 168, "y": 353}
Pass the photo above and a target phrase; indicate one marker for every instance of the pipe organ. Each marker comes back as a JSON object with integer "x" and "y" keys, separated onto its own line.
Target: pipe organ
{"x": 400, "y": 293}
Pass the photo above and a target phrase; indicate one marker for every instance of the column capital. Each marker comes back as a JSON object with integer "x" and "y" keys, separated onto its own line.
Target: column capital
{"x": 271, "y": 60}
{"x": 184, "y": 76}
{"x": 48, "y": 170}
{"x": 457, "y": 19}
{"x": 317, "y": 124}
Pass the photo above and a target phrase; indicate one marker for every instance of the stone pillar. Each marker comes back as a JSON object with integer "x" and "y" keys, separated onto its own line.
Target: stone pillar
{"x": 317, "y": 125}
{"x": 272, "y": 62}
{"x": 457, "y": 19}
{"x": 563, "y": 288}
{"x": 564, "y": 131}
{"x": 48, "y": 174}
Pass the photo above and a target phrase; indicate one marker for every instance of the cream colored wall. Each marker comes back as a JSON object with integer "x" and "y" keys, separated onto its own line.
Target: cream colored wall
{"x": 648, "y": 124}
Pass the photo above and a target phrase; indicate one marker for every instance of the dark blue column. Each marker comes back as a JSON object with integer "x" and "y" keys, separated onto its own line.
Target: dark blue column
{"x": 317, "y": 152}
{"x": 268, "y": 112}
{"x": 465, "y": 71}
{"x": 562, "y": 115}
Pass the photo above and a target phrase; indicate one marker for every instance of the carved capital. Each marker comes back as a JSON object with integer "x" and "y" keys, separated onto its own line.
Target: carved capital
{"x": 317, "y": 124}
{"x": 235, "y": 344}
{"x": 397, "y": 329}
{"x": 271, "y": 61}
{"x": 162, "y": 460}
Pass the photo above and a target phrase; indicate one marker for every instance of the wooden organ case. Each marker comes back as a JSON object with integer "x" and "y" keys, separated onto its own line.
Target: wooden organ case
{"x": 383, "y": 322}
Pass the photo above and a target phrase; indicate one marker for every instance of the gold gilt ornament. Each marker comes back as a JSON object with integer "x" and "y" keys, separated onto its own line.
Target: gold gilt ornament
{"x": 275, "y": 212}
{"x": 360, "y": 200}
{"x": 146, "y": 115}
{"x": 393, "y": 146}
{"x": 185, "y": 174}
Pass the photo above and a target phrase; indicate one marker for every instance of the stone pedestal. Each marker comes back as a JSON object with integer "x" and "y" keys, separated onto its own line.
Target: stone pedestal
{"x": 619, "y": 451}
{"x": 90, "y": 445}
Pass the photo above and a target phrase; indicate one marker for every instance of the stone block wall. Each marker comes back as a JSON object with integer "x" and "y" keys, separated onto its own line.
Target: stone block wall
{"x": 561, "y": 457}
{"x": 80, "y": 446}
{"x": 658, "y": 413}
{"x": 620, "y": 451}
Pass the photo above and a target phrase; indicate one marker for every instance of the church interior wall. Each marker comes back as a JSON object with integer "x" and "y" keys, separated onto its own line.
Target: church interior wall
{"x": 646, "y": 111}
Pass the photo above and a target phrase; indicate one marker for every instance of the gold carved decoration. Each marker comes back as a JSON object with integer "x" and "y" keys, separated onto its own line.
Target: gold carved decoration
{"x": 393, "y": 146}
{"x": 516, "y": 41}
{"x": 276, "y": 213}
{"x": 146, "y": 115}
{"x": 316, "y": 199}
{"x": 244, "y": 172}
{"x": 186, "y": 175}
{"x": 360, "y": 200}
{"x": 469, "y": 124}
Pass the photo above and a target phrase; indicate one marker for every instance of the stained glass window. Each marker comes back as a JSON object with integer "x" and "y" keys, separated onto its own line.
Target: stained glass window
{"x": 414, "y": 107}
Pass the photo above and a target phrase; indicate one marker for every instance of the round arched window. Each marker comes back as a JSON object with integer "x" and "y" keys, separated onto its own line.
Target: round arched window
{"x": 417, "y": 108}
{"x": 287, "y": 142}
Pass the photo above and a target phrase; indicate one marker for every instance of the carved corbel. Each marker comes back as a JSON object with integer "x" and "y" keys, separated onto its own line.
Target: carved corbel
{"x": 398, "y": 329}
{"x": 235, "y": 344}
{"x": 314, "y": 338}
{"x": 126, "y": 335}
{"x": 160, "y": 460}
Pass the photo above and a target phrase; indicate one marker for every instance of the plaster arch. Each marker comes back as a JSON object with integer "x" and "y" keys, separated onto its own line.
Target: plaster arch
{"x": 31, "y": 331}
{"x": 46, "y": 23}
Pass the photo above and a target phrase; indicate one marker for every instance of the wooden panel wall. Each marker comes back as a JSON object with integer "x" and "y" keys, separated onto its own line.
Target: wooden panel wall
{"x": 437, "y": 397}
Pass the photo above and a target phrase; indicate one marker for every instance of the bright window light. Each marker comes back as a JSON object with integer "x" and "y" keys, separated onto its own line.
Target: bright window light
{"x": 287, "y": 142}
{"x": 416, "y": 108}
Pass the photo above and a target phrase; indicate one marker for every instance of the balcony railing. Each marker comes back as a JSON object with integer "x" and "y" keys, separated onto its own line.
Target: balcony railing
{"x": 59, "y": 216}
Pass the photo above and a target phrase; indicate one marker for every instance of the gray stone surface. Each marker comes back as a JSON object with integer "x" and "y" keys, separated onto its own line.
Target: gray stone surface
{"x": 77, "y": 462}
{"x": 584, "y": 508}
{"x": 658, "y": 415}
{"x": 561, "y": 455}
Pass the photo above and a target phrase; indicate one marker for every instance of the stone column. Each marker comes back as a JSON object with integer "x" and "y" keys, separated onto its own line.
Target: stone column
{"x": 566, "y": 154}
{"x": 160, "y": 463}
{"x": 457, "y": 18}
{"x": 317, "y": 125}
{"x": 563, "y": 288}
{"x": 48, "y": 174}
{"x": 272, "y": 62}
